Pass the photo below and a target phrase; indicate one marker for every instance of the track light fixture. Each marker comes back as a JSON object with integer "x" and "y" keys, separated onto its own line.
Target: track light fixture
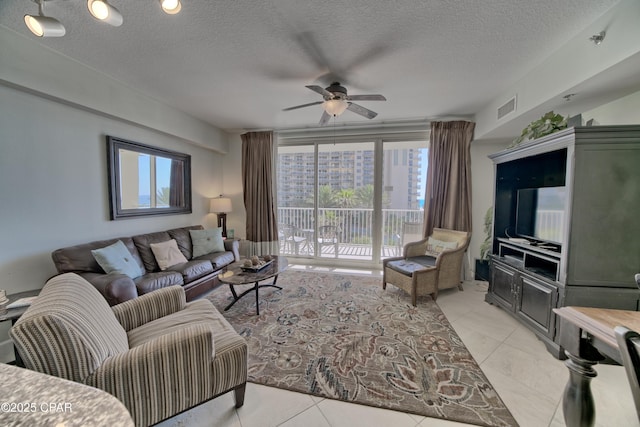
{"x": 103, "y": 11}
{"x": 171, "y": 6}
{"x": 44, "y": 26}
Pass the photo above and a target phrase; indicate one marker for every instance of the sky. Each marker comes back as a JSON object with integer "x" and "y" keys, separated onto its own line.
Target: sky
{"x": 163, "y": 173}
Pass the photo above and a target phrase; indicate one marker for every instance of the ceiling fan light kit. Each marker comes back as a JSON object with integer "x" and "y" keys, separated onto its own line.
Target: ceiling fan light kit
{"x": 335, "y": 107}
{"x": 45, "y": 26}
{"x": 337, "y": 100}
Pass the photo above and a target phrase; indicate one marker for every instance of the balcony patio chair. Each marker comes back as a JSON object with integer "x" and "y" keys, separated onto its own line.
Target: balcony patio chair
{"x": 411, "y": 232}
{"x": 428, "y": 265}
{"x": 328, "y": 236}
{"x": 294, "y": 238}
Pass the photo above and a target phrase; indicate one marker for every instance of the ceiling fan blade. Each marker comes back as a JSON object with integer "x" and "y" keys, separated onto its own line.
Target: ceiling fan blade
{"x": 366, "y": 98}
{"x": 312, "y": 50}
{"x": 303, "y": 105}
{"x": 359, "y": 109}
{"x": 322, "y": 91}
{"x": 325, "y": 118}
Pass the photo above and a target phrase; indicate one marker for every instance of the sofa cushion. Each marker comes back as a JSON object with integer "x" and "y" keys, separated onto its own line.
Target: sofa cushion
{"x": 409, "y": 265}
{"x": 192, "y": 270}
{"x": 116, "y": 258}
{"x": 143, "y": 244}
{"x": 88, "y": 332}
{"x": 183, "y": 238}
{"x": 435, "y": 247}
{"x": 199, "y": 311}
{"x": 206, "y": 241}
{"x": 160, "y": 279}
{"x": 79, "y": 258}
{"x": 218, "y": 259}
{"x": 167, "y": 254}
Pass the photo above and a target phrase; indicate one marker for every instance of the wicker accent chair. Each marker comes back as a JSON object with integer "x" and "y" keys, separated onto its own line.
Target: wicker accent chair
{"x": 157, "y": 354}
{"x": 428, "y": 265}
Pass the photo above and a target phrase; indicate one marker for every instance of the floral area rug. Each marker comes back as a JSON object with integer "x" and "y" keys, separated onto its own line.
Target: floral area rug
{"x": 343, "y": 337}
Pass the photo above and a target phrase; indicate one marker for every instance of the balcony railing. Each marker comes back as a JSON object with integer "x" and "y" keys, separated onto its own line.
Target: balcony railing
{"x": 549, "y": 225}
{"x": 355, "y": 229}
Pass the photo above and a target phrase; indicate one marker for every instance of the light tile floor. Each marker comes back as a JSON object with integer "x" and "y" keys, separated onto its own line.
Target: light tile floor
{"x": 528, "y": 379}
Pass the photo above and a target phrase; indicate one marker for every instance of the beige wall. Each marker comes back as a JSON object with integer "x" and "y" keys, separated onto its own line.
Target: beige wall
{"x": 232, "y": 184}
{"x": 53, "y": 183}
{"x": 482, "y": 179}
{"x": 53, "y": 186}
{"x": 53, "y": 178}
{"x": 623, "y": 111}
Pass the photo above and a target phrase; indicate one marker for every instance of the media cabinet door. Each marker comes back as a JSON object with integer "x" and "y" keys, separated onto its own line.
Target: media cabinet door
{"x": 605, "y": 248}
{"x": 536, "y": 301}
{"x": 503, "y": 283}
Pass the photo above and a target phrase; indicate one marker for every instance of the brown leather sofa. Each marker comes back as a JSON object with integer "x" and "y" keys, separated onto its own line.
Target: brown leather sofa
{"x": 196, "y": 276}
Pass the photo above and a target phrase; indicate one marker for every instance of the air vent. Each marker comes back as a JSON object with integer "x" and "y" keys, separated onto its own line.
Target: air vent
{"x": 507, "y": 107}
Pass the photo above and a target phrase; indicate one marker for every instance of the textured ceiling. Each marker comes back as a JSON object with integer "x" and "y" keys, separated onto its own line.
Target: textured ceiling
{"x": 237, "y": 63}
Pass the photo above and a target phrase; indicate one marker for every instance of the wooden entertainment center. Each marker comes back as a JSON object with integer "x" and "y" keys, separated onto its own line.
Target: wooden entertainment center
{"x": 589, "y": 251}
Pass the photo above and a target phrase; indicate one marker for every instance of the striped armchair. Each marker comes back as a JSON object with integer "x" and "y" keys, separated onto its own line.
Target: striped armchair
{"x": 157, "y": 354}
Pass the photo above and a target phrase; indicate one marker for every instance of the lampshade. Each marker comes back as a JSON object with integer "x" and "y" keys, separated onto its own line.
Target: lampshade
{"x": 220, "y": 205}
{"x": 43, "y": 26}
{"x": 171, "y": 6}
{"x": 335, "y": 107}
{"x": 103, "y": 11}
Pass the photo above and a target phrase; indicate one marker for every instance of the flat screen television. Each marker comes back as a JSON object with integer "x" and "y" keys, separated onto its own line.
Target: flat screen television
{"x": 540, "y": 214}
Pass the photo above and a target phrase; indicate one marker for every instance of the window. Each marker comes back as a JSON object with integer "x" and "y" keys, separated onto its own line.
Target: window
{"x": 365, "y": 198}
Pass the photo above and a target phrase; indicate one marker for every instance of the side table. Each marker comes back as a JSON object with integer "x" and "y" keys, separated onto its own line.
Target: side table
{"x": 14, "y": 314}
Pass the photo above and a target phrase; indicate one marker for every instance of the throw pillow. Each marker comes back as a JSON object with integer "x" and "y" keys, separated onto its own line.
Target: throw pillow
{"x": 206, "y": 241}
{"x": 167, "y": 254}
{"x": 435, "y": 247}
{"x": 117, "y": 258}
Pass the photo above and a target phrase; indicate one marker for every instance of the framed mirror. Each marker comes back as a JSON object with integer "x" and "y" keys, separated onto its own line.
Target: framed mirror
{"x": 145, "y": 180}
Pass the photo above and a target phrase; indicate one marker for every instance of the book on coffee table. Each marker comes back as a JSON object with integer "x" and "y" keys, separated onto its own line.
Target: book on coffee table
{"x": 22, "y": 302}
{"x": 256, "y": 268}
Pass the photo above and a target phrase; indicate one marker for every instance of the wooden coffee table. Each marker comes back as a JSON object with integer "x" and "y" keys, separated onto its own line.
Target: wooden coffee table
{"x": 235, "y": 276}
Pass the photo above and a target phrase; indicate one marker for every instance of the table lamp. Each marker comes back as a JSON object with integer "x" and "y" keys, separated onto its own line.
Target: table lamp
{"x": 221, "y": 206}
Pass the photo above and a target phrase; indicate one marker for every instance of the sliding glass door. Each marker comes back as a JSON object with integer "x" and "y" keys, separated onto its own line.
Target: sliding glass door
{"x": 404, "y": 177}
{"x": 347, "y": 200}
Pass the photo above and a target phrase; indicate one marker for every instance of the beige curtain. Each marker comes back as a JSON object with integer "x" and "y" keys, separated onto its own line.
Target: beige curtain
{"x": 257, "y": 185}
{"x": 448, "y": 193}
{"x": 176, "y": 184}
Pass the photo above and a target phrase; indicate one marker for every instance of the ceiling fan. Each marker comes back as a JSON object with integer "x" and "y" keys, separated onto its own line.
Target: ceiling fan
{"x": 336, "y": 101}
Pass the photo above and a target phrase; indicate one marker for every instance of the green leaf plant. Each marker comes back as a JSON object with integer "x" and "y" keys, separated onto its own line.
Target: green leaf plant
{"x": 545, "y": 125}
{"x": 485, "y": 247}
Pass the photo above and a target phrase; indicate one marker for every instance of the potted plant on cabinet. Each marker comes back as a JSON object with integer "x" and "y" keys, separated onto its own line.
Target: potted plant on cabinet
{"x": 482, "y": 264}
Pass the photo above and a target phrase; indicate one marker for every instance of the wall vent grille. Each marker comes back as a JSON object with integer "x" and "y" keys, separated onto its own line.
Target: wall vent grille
{"x": 507, "y": 108}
